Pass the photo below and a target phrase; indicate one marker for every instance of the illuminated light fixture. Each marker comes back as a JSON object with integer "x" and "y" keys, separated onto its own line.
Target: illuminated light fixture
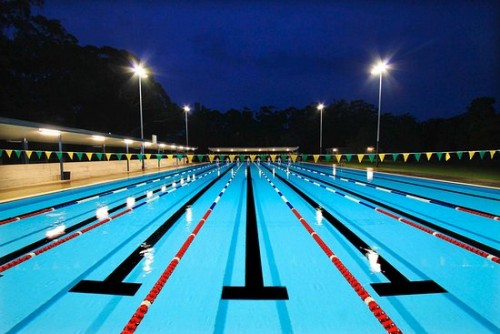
{"x": 139, "y": 70}
{"x": 49, "y": 132}
{"x": 128, "y": 141}
{"x": 147, "y": 144}
{"x": 162, "y": 145}
{"x": 380, "y": 68}
{"x": 98, "y": 138}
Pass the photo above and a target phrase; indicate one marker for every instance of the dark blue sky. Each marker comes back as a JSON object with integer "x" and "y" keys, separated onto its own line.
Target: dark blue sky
{"x": 235, "y": 54}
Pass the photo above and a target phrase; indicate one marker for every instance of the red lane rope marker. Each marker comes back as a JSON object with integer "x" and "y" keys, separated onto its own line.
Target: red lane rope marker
{"x": 374, "y": 307}
{"x": 442, "y": 236}
{"x": 58, "y": 242}
{"x": 143, "y": 308}
{"x": 32, "y": 214}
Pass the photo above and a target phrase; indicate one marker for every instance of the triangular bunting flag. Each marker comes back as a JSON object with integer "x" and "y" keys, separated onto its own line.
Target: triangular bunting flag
{"x": 1, "y": 152}
{"x": 284, "y": 157}
{"x": 79, "y": 155}
{"x": 190, "y": 157}
{"x": 253, "y": 157}
{"x": 328, "y": 157}
{"x": 211, "y": 157}
{"x": 200, "y": 157}
{"x": 428, "y": 155}
{"x": 232, "y": 157}
{"x": 140, "y": 157}
{"x": 381, "y": 156}
{"x": 304, "y": 157}
{"x": 447, "y": 156}
{"x": 59, "y": 155}
{"x": 348, "y": 157}
{"x": 99, "y": 156}
{"x": 108, "y": 155}
{"x": 371, "y": 157}
{"x": 471, "y": 154}
{"x": 160, "y": 156}
{"x": 48, "y": 153}
{"x": 8, "y": 152}
{"x": 339, "y": 157}
{"x": 405, "y": 156}
{"x": 417, "y": 156}
{"x": 39, "y": 154}
{"x": 360, "y": 157}
{"x": 316, "y": 157}
{"x": 440, "y": 155}
{"x": 18, "y": 153}
{"x": 459, "y": 154}
{"x": 89, "y": 155}
{"x": 294, "y": 157}
{"x": 119, "y": 156}
{"x": 28, "y": 154}
{"x": 395, "y": 156}
{"x": 148, "y": 156}
{"x": 492, "y": 153}
{"x": 70, "y": 155}
{"x": 242, "y": 157}
{"x": 129, "y": 156}
{"x": 481, "y": 154}
{"x": 180, "y": 156}
{"x": 170, "y": 156}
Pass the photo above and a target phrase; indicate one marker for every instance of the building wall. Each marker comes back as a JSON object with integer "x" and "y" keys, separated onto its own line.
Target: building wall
{"x": 14, "y": 176}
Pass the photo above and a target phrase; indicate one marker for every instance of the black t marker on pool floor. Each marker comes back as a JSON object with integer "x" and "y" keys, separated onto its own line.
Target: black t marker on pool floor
{"x": 254, "y": 288}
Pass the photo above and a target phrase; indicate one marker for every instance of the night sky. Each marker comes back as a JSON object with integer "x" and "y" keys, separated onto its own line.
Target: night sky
{"x": 236, "y": 54}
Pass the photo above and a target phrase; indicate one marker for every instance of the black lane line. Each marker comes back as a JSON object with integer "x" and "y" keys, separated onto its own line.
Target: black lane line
{"x": 39, "y": 243}
{"x": 254, "y": 288}
{"x": 113, "y": 284}
{"x": 438, "y": 228}
{"x": 426, "y": 186}
{"x": 75, "y": 201}
{"x": 432, "y": 200}
{"x": 398, "y": 284}
{"x": 44, "y": 241}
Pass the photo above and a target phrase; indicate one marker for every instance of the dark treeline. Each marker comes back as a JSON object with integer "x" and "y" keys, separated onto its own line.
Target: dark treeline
{"x": 46, "y": 76}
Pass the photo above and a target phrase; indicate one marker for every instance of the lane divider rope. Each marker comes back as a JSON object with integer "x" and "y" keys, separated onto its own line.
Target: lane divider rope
{"x": 401, "y": 219}
{"x": 58, "y": 242}
{"x": 143, "y": 308}
{"x": 411, "y": 196}
{"x": 89, "y": 198}
{"x": 374, "y": 307}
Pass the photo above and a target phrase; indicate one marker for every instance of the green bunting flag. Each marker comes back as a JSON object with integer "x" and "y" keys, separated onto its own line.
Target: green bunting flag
{"x": 200, "y": 157}
{"x": 18, "y": 153}
{"x": 348, "y": 157}
{"x": 79, "y": 155}
{"x": 179, "y": 156}
{"x": 417, "y": 156}
{"x": 99, "y": 156}
{"x": 39, "y": 154}
{"x": 140, "y": 157}
{"x": 440, "y": 155}
{"x": 371, "y": 157}
{"x": 59, "y": 155}
{"x": 304, "y": 157}
{"x": 328, "y": 157}
{"x": 159, "y": 156}
{"x": 119, "y": 156}
{"x": 459, "y": 154}
{"x": 1, "y": 152}
{"x": 395, "y": 156}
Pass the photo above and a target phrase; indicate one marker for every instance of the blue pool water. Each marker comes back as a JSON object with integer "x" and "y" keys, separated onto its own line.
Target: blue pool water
{"x": 258, "y": 248}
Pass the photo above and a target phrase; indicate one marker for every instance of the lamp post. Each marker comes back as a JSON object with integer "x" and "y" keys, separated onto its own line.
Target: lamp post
{"x": 140, "y": 71}
{"x": 379, "y": 69}
{"x": 320, "y": 107}
{"x": 186, "y": 110}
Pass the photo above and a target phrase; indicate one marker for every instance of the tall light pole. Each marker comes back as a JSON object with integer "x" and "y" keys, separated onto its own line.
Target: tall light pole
{"x": 186, "y": 110}
{"x": 379, "y": 69}
{"x": 140, "y": 71}
{"x": 320, "y": 107}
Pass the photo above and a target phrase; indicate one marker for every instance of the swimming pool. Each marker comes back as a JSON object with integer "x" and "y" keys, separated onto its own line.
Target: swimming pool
{"x": 267, "y": 248}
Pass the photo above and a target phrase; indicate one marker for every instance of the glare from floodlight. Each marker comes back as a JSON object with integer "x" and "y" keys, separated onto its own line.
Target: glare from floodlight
{"x": 380, "y": 68}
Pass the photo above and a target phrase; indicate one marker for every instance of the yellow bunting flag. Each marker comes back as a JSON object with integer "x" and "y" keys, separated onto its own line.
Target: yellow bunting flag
{"x": 405, "y": 156}
{"x": 381, "y": 156}
{"x": 211, "y": 157}
{"x": 428, "y": 155}
{"x": 89, "y": 155}
{"x": 492, "y": 153}
{"x": 9, "y": 152}
{"x": 447, "y": 156}
{"x": 108, "y": 155}
{"x": 360, "y": 157}
{"x": 471, "y": 154}
{"x": 316, "y": 157}
{"x": 70, "y": 154}
{"x": 231, "y": 157}
{"x": 148, "y": 156}
{"x": 190, "y": 157}
{"x": 170, "y": 156}
{"x": 28, "y": 154}
{"x": 129, "y": 156}
{"x": 252, "y": 157}
{"x": 48, "y": 153}
{"x": 294, "y": 157}
{"x": 339, "y": 157}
